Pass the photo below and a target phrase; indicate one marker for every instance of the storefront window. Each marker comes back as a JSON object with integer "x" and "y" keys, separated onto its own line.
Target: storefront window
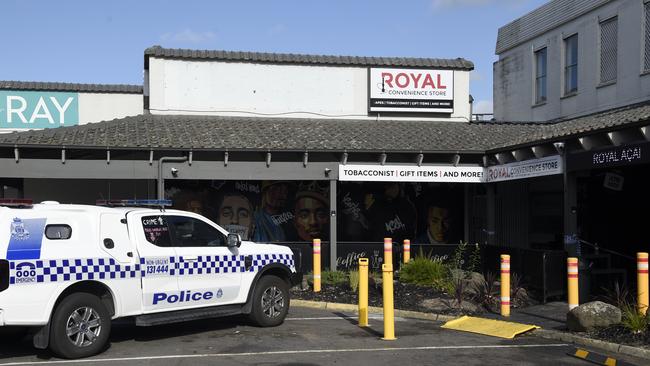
{"x": 298, "y": 211}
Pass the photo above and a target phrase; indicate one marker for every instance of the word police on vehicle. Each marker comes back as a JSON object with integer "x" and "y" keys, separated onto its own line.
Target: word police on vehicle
{"x": 68, "y": 270}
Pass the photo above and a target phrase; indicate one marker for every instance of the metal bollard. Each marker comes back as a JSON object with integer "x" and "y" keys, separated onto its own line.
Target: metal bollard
{"x": 363, "y": 292}
{"x": 388, "y": 251}
{"x": 572, "y": 284}
{"x": 316, "y": 265}
{"x": 505, "y": 285}
{"x": 407, "y": 251}
{"x": 389, "y": 308}
{"x": 642, "y": 282}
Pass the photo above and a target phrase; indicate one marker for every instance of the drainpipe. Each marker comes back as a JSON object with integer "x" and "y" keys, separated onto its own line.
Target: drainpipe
{"x": 161, "y": 179}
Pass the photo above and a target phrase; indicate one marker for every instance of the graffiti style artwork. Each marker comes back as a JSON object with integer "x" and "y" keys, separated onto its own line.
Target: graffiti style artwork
{"x": 298, "y": 211}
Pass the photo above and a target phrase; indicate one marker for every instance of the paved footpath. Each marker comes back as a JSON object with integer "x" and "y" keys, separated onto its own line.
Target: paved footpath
{"x": 308, "y": 337}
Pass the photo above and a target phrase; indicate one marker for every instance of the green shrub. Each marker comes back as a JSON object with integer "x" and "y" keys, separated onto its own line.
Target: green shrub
{"x": 634, "y": 321}
{"x": 458, "y": 259}
{"x": 424, "y": 271}
{"x": 334, "y": 278}
{"x": 475, "y": 259}
{"x": 354, "y": 280}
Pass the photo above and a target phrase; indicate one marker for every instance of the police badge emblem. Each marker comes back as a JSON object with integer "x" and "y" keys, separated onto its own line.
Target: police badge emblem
{"x": 18, "y": 230}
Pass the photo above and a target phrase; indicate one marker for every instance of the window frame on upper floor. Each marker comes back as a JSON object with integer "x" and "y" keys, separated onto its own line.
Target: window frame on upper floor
{"x": 645, "y": 38}
{"x": 540, "y": 80}
{"x": 604, "y": 51}
{"x": 570, "y": 66}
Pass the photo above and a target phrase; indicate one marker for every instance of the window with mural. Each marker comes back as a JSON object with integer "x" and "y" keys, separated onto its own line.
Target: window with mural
{"x": 281, "y": 211}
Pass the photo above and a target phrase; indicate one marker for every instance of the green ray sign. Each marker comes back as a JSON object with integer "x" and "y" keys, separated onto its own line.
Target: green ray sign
{"x": 33, "y": 109}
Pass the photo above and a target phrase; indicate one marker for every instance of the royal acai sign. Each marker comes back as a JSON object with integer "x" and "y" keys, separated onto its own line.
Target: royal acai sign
{"x": 411, "y": 90}
{"x": 32, "y": 109}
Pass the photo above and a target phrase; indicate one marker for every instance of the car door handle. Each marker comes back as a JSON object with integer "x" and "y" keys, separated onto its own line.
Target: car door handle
{"x": 191, "y": 259}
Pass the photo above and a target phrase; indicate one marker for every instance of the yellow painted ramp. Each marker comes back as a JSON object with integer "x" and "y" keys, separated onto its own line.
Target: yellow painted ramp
{"x": 495, "y": 328}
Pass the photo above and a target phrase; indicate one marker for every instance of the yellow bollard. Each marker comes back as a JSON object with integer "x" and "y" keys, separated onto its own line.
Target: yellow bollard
{"x": 642, "y": 281}
{"x": 505, "y": 285}
{"x": 407, "y": 251}
{"x": 363, "y": 292}
{"x": 316, "y": 265}
{"x": 572, "y": 284}
{"x": 388, "y": 251}
{"x": 389, "y": 308}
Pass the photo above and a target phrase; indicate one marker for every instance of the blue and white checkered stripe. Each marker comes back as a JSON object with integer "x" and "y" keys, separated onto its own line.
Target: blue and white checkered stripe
{"x": 211, "y": 264}
{"x": 58, "y": 270}
{"x": 261, "y": 260}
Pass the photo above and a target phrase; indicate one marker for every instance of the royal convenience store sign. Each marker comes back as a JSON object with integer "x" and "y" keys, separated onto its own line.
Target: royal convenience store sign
{"x": 33, "y": 109}
{"x": 411, "y": 90}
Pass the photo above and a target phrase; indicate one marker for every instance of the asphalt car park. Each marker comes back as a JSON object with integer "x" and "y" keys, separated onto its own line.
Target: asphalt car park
{"x": 307, "y": 337}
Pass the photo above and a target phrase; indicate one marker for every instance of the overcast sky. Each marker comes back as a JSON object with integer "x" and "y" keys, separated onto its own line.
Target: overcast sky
{"x": 86, "y": 41}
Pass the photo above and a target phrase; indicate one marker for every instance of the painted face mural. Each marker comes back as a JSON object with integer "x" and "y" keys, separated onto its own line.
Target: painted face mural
{"x": 439, "y": 223}
{"x": 311, "y": 218}
{"x": 235, "y": 215}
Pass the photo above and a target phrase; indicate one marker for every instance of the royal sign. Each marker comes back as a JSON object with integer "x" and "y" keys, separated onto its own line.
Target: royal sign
{"x": 32, "y": 109}
{"x": 411, "y": 90}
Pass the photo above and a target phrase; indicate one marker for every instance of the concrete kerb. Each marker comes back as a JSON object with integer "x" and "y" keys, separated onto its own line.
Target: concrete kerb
{"x": 543, "y": 333}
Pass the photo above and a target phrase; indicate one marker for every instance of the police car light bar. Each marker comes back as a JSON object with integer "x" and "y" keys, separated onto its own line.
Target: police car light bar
{"x": 134, "y": 203}
{"x": 16, "y": 202}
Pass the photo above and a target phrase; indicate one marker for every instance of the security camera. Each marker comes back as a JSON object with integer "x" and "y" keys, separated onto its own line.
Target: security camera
{"x": 559, "y": 146}
{"x": 174, "y": 172}
{"x": 327, "y": 172}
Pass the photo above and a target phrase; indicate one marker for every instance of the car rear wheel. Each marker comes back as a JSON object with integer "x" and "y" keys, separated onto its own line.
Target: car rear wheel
{"x": 270, "y": 301}
{"x": 80, "y": 326}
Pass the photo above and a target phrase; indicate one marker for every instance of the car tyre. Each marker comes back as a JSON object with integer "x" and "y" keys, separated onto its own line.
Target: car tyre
{"x": 270, "y": 301}
{"x": 80, "y": 326}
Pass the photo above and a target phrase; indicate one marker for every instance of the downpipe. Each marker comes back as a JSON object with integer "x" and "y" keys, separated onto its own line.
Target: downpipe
{"x": 161, "y": 179}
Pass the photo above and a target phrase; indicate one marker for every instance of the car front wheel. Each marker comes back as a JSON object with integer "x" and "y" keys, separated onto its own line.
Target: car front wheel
{"x": 270, "y": 301}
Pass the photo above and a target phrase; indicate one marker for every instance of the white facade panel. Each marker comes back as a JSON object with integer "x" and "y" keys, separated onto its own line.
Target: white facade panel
{"x": 108, "y": 106}
{"x": 254, "y": 89}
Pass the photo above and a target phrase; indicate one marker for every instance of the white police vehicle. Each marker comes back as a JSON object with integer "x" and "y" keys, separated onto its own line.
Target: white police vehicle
{"x": 67, "y": 270}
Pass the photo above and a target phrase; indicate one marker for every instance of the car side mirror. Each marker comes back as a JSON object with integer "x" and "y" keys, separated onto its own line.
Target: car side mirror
{"x": 234, "y": 240}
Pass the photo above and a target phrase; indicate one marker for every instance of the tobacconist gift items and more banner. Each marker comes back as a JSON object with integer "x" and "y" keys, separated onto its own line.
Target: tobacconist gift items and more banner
{"x": 452, "y": 174}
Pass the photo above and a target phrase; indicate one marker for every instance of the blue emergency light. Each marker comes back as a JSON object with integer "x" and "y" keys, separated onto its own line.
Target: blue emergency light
{"x": 134, "y": 203}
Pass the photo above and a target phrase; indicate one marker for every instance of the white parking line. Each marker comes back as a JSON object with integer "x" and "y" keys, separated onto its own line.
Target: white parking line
{"x": 272, "y": 353}
{"x": 374, "y": 317}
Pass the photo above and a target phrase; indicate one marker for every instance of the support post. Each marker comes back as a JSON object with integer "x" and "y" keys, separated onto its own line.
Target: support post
{"x": 363, "y": 292}
{"x": 333, "y": 225}
{"x": 491, "y": 213}
{"x": 388, "y": 251}
{"x": 407, "y": 251}
{"x": 642, "y": 282}
{"x": 572, "y": 284}
{"x": 317, "y": 265}
{"x": 389, "y": 306}
{"x": 505, "y": 285}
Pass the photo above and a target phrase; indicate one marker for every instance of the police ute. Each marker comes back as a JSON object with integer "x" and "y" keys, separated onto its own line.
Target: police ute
{"x": 67, "y": 270}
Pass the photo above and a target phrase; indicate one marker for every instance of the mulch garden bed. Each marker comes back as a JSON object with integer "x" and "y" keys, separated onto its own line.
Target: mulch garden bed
{"x": 406, "y": 297}
{"x": 620, "y": 334}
